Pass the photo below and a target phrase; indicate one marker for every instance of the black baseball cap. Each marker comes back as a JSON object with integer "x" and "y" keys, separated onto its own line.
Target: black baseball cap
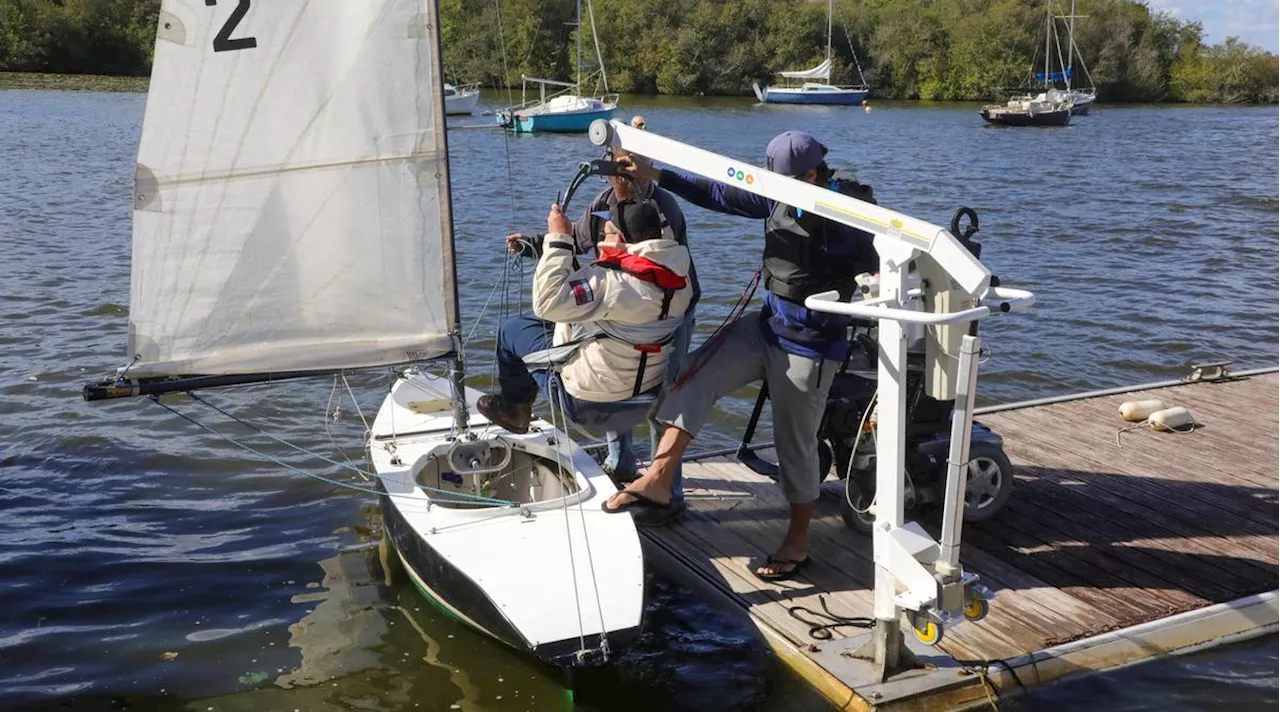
{"x": 638, "y": 221}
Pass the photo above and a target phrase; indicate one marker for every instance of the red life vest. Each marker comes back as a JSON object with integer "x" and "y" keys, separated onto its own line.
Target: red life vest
{"x": 645, "y": 270}
{"x": 642, "y": 268}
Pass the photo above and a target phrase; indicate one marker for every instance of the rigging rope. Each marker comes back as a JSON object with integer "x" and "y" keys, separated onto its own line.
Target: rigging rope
{"x": 573, "y": 564}
{"x": 591, "y": 562}
{"x": 591, "y": 14}
{"x": 480, "y": 317}
{"x": 1057, "y": 43}
{"x": 328, "y": 408}
{"x": 709, "y": 346}
{"x": 467, "y": 498}
{"x": 856, "y": 63}
{"x": 982, "y": 668}
{"x": 506, "y": 79}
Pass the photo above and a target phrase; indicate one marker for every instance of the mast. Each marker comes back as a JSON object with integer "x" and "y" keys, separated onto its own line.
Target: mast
{"x": 578, "y": 33}
{"x": 457, "y": 370}
{"x": 1048, "y": 35}
{"x": 830, "y": 4}
{"x": 1071, "y": 43}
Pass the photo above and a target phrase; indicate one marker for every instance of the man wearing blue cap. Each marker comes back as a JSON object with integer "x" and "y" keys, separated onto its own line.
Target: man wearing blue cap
{"x": 796, "y": 350}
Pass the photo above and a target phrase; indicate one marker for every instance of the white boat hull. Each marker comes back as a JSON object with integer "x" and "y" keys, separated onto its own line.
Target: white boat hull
{"x": 462, "y": 103}
{"x": 811, "y": 93}
{"x": 554, "y": 575}
{"x": 1081, "y": 103}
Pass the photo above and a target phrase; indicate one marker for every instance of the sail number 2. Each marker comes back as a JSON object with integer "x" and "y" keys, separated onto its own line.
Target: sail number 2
{"x": 223, "y": 42}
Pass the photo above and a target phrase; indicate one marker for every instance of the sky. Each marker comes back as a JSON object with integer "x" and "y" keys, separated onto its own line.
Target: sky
{"x": 1254, "y": 21}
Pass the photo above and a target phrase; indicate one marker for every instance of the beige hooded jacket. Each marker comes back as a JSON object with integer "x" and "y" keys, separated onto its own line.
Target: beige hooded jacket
{"x": 595, "y": 297}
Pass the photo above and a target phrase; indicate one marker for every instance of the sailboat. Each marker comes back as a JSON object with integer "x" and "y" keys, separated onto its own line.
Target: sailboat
{"x": 1081, "y": 99}
{"x": 1051, "y": 107}
{"x": 292, "y": 219}
{"x": 460, "y": 100}
{"x": 560, "y": 106}
{"x": 811, "y": 91}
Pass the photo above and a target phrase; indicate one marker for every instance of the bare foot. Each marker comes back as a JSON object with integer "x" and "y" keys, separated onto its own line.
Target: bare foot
{"x": 793, "y": 553}
{"x": 783, "y": 562}
{"x": 646, "y": 486}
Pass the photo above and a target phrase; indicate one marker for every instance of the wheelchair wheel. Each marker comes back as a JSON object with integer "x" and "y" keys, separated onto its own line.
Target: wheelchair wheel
{"x": 990, "y": 482}
{"x": 860, "y": 519}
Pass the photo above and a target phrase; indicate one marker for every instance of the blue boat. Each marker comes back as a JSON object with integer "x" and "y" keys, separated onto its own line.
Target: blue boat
{"x": 812, "y": 91}
{"x": 564, "y": 113}
{"x": 564, "y": 109}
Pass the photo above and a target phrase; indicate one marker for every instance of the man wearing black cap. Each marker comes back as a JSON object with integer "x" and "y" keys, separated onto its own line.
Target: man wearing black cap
{"x": 797, "y": 351}
{"x": 623, "y": 193}
{"x": 614, "y": 319}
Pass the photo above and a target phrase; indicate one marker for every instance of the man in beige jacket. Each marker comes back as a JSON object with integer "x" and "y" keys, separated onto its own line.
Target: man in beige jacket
{"x": 615, "y": 317}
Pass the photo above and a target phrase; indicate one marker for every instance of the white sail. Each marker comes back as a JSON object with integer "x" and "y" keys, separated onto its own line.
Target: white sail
{"x": 822, "y": 71}
{"x": 291, "y": 200}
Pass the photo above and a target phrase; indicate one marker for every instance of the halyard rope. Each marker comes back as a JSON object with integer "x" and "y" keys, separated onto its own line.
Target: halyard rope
{"x": 466, "y": 498}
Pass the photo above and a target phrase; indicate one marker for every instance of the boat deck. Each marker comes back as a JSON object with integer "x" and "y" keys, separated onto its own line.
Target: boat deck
{"x": 1097, "y": 537}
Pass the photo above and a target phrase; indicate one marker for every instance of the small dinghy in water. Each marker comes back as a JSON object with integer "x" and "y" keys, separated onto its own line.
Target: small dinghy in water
{"x": 506, "y": 533}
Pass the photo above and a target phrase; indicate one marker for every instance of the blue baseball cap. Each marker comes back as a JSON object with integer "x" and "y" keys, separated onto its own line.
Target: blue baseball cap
{"x": 794, "y": 153}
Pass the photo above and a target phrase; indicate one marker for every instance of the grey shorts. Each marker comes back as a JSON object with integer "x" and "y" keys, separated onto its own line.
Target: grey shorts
{"x": 798, "y": 389}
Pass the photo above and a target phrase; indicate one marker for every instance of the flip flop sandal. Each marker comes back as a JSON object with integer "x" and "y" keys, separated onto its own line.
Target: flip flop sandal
{"x": 781, "y": 575}
{"x": 638, "y": 501}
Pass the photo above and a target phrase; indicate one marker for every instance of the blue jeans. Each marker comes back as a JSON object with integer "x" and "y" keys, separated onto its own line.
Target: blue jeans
{"x": 518, "y": 337}
{"x": 522, "y": 335}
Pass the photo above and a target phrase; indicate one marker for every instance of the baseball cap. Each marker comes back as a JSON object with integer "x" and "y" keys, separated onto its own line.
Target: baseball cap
{"x": 793, "y": 153}
{"x": 639, "y": 221}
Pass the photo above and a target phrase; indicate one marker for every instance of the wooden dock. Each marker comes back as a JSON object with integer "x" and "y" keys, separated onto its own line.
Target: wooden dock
{"x": 1105, "y": 555}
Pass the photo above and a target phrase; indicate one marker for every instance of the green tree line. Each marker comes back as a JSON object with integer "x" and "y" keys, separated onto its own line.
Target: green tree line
{"x": 925, "y": 49}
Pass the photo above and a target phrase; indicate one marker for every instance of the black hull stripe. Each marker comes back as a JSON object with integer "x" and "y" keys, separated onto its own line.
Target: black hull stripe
{"x": 456, "y": 590}
{"x": 449, "y": 584}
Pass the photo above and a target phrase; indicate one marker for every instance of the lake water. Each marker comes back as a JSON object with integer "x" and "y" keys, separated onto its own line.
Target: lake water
{"x": 148, "y": 565}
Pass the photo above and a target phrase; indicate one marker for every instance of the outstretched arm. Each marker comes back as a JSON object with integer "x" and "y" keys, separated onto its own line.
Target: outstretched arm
{"x": 714, "y": 195}
{"x": 702, "y": 192}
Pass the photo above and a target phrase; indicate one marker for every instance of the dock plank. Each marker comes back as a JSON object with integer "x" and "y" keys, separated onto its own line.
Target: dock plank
{"x": 1096, "y": 536}
{"x": 1147, "y": 523}
{"x": 832, "y": 540}
{"x": 1140, "y": 447}
{"x": 1147, "y": 486}
{"x": 1146, "y": 476}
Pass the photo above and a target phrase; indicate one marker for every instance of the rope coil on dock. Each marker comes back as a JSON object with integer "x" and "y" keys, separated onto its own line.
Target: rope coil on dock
{"x": 822, "y": 631}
